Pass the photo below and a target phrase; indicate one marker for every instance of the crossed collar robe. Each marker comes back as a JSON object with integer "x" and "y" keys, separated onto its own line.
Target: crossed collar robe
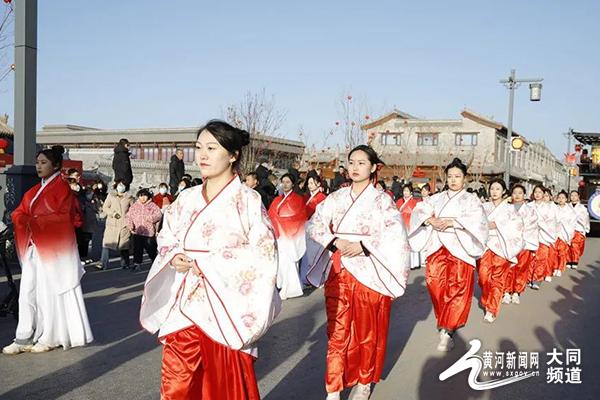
{"x": 372, "y": 218}
{"x": 506, "y": 240}
{"x": 466, "y": 241}
{"x": 232, "y": 244}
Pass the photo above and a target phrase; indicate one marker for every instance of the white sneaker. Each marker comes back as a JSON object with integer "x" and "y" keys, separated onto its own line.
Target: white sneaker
{"x": 569, "y": 266}
{"x": 558, "y": 272}
{"x": 360, "y": 392}
{"x": 489, "y": 317}
{"x": 534, "y": 286}
{"x": 574, "y": 266}
{"x": 40, "y": 348}
{"x": 333, "y": 396}
{"x": 15, "y": 348}
{"x": 548, "y": 279}
{"x": 506, "y": 298}
{"x": 515, "y": 298}
{"x": 446, "y": 342}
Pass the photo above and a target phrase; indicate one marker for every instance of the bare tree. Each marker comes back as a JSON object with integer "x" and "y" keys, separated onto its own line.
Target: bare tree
{"x": 258, "y": 114}
{"x": 353, "y": 114}
{"x": 6, "y": 38}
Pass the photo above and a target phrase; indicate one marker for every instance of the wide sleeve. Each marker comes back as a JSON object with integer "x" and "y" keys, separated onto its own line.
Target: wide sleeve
{"x": 319, "y": 226}
{"x": 510, "y": 229}
{"x": 236, "y": 286}
{"x": 471, "y": 226}
{"x": 418, "y": 232}
{"x": 389, "y": 249}
{"x": 157, "y": 296}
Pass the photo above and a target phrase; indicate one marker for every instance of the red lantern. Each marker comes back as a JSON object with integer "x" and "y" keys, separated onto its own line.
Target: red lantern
{"x": 581, "y": 184}
{"x": 3, "y": 143}
{"x": 7, "y": 1}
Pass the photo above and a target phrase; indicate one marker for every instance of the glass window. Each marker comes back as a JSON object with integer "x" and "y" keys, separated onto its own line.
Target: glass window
{"x": 465, "y": 139}
{"x": 427, "y": 139}
{"x": 391, "y": 138}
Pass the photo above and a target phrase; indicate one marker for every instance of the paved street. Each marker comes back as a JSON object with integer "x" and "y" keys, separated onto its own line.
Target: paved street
{"x": 124, "y": 362}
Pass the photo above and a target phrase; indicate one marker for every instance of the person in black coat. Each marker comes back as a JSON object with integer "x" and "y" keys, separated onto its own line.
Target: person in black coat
{"x": 176, "y": 170}
{"x": 339, "y": 178}
{"x": 121, "y": 163}
{"x": 252, "y": 182}
{"x": 396, "y": 187}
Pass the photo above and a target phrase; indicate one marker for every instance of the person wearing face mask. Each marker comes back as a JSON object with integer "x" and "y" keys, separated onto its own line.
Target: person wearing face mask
{"x": 163, "y": 199}
{"x": 183, "y": 184}
{"x": 142, "y": 219}
{"x": 116, "y": 232}
{"x": 451, "y": 228}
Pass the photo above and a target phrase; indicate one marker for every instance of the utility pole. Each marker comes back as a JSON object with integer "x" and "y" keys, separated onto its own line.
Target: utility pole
{"x": 511, "y": 84}
{"x": 22, "y": 175}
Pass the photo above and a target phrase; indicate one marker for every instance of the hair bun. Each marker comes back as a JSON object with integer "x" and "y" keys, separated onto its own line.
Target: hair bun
{"x": 457, "y": 160}
{"x": 245, "y": 137}
{"x": 58, "y": 149}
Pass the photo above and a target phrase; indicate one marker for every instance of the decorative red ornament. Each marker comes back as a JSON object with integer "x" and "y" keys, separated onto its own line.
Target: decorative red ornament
{"x": 3, "y": 142}
{"x": 349, "y": 97}
{"x": 337, "y": 122}
{"x": 581, "y": 184}
{"x": 8, "y": 1}
{"x": 367, "y": 117}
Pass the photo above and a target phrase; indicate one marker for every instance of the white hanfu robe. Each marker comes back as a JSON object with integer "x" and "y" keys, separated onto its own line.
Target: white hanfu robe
{"x": 583, "y": 218}
{"x": 371, "y": 218}
{"x": 506, "y": 240}
{"x": 567, "y": 223}
{"x": 530, "y": 226}
{"x": 547, "y": 222}
{"x": 230, "y": 239}
{"x": 465, "y": 241}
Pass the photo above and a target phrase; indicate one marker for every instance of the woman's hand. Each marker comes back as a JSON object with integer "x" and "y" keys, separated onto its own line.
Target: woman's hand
{"x": 182, "y": 263}
{"x": 492, "y": 225}
{"x": 347, "y": 248}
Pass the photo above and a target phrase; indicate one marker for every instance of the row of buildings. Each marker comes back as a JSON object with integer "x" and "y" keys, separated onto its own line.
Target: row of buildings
{"x": 413, "y": 148}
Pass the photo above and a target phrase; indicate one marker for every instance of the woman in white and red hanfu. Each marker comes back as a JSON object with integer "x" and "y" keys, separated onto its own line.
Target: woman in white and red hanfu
{"x": 405, "y": 205}
{"x": 505, "y": 242}
{"x": 521, "y": 273}
{"x": 52, "y": 312}
{"x": 553, "y": 252}
{"x": 314, "y": 197}
{"x": 567, "y": 222}
{"x": 211, "y": 290}
{"x": 363, "y": 262}
{"x": 581, "y": 230}
{"x": 288, "y": 215}
{"x": 451, "y": 229}
{"x": 548, "y": 233}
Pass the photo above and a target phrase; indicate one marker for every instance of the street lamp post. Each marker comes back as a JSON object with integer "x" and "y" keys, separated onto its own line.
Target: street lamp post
{"x": 511, "y": 84}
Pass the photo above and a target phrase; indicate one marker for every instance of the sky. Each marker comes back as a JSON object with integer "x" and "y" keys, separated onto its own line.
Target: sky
{"x": 134, "y": 63}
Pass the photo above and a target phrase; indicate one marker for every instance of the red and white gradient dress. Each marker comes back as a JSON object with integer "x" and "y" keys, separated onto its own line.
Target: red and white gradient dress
{"x": 567, "y": 223}
{"x": 51, "y": 307}
{"x": 581, "y": 229}
{"x": 312, "y": 202}
{"x": 406, "y": 207}
{"x": 288, "y": 214}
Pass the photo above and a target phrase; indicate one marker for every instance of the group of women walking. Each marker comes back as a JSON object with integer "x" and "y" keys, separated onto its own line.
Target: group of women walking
{"x": 224, "y": 263}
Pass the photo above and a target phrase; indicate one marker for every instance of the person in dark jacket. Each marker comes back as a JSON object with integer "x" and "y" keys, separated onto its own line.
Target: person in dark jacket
{"x": 339, "y": 179}
{"x": 121, "y": 163}
{"x": 396, "y": 187}
{"x": 252, "y": 182}
{"x": 176, "y": 170}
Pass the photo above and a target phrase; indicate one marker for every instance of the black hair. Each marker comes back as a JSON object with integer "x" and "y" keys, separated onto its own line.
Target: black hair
{"x": 574, "y": 191}
{"x": 187, "y": 177}
{"x": 163, "y": 184}
{"x": 409, "y": 186}
{"x": 538, "y": 186}
{"x": 72, "y": 171}
{"x": 518, "y": 186}
{"x": 470, "y": 190}
{"x": 371, "y": 155}
{"x": 563, "y": 192}
{"x": 291, "y": 178}
{"x": 395, "y": 178}
{"x": 196, "y": 181}
{"x": 547, "y": 190}
{"x": 54, "y": 155}
{"x": 381, "y": 182}
{"x": 252, "y": 174}
{"x": 186, "y": 182}
{"x": 427, "y": 187}
{"x": 123, "y": 141}
{"x": 144, "y": 192}
{"x": 457, "y": 163}
{"x": 315, "y": 178}
{"x": 231, "y": 138}
{"x": 499, "y": 182}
